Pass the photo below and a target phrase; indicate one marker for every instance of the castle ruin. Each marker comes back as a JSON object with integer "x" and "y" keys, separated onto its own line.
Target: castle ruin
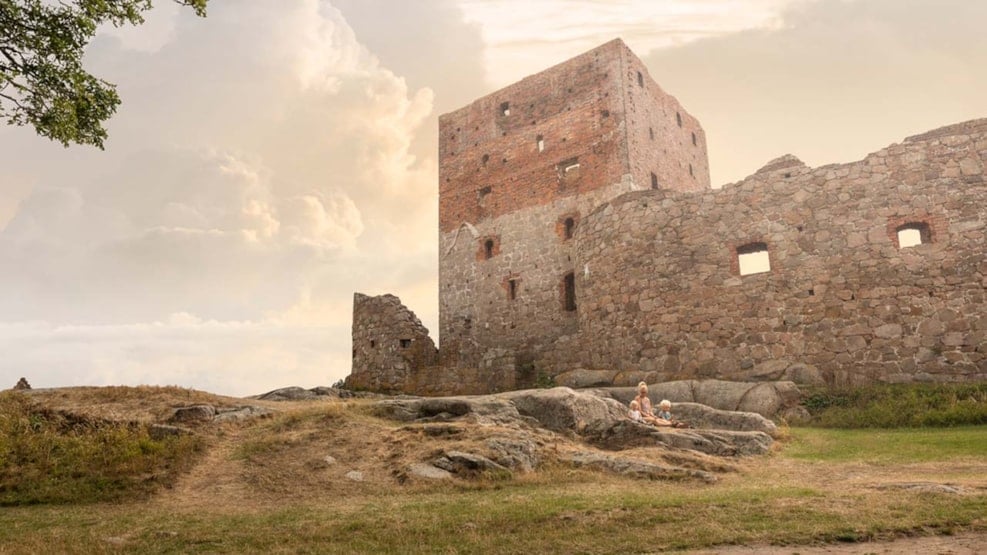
{"x": 578, "y": 230}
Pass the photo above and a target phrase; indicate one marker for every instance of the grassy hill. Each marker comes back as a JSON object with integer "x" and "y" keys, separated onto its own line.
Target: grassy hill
{"x": 80, "y": 473}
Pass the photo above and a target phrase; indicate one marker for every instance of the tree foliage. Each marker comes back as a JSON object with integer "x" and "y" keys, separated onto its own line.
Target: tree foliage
{"x": 42, "y": 80}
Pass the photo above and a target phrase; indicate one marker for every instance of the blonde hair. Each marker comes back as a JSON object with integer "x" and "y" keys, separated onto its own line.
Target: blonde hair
{"x": 665, "y": 403}
{"x": 635, "y": 404}
{"x": 641, "y": 386}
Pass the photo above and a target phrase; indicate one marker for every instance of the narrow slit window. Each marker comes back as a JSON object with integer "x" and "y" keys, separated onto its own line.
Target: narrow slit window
{"x": 654, "y": 180}
{"x": 540, "y": 141}
{"x": 569, "y": 292}
{"x": 505, "y": 108}
{"x": 690, "y": 171}
{"x": 913, "y": 233}
{"x": 488, "y": 249}
{"x": 678, "y": 118}
{"x": 640, "y": 79}
{"x": 569, "y": 226}
{"x": 511, "y": 289}
{"x": 651, "y": 133}
{"x": 405, "y": 343}
{"x": 373, "y": 343}
{"x": 753, "y": 259}
{"x": 694, "y": 143}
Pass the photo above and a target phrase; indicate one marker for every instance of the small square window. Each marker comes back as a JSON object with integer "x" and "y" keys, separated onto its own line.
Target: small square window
{"x": 405, "y": 343}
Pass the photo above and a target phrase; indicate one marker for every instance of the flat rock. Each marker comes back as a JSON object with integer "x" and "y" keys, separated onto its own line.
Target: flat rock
{"x": 193, "y": 413}
{"x": 425, "y": 470}
{"x": 459, "y": 462}
{"x": 635, "y": 468}
{"x": 241, "y": 413}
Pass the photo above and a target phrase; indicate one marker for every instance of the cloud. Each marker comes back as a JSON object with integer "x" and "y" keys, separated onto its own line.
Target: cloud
{"x": 523, "y": 37}
{"x": 259, "y": 171}
{"x": 833, "y": 81}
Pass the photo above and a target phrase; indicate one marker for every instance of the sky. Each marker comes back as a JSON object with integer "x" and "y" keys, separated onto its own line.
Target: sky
{"x": 272, "y": 159}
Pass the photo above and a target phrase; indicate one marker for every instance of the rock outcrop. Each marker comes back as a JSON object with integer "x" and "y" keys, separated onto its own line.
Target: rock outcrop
{"x": 765, "y": 398}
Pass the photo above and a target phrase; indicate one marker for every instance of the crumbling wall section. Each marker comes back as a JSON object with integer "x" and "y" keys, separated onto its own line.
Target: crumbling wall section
{"x": 390, "y": 345}
{"x": 662, "y": 292}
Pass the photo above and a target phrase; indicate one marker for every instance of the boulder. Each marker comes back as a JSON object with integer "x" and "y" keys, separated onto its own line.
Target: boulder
{"x": 723, "y": 443}
{"x": 427, "y": 471}
{"x": 458, "y": 462}
{"x": 293, "y": 393}
{"x": 193, "y": 413}
{"x": 703, "y": 417}
{"x": 561, "y": 409}
{"x": 22, "y": 385}
{"x": 634, "y": 468}
{"x": 764, "y": 398}
{"x": 236, "y": 414}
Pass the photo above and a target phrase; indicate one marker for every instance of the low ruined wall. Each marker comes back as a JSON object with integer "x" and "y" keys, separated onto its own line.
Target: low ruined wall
{"x": 660, "y": 291}
{"x": 390, "y": 345}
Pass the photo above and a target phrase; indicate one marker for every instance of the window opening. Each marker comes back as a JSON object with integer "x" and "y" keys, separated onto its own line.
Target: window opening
{"x": 654, "y": 180}
{"x": 405, "y": 343}
{"x": 568, "y": 166}
{"x": 678, "y": 118}
{"x": 690, "y": 171}
{"x": 488, "y": 247}
{"x": 605, "y": 113}
{"x": 569, "y": 292}
{"x": 540, "y": 141}
{"x": 570, "y": 225}
{"x": 913, "y": 233}
{"x": 753, "y": 259}
{"x": 694, "y": 143}
{"x": 485, "y": 159}
{"x": 651, "y": 132}
{"x": 373, "y": 343}
{"x": 505, "y": 108}
{"x": 512, "y": 289}
{"x": 640, "y": 79}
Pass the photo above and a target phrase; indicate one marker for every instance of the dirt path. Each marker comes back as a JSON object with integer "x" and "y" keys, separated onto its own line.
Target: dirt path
{"x": 959, "y": 544}
{"x": 215, "y": 478}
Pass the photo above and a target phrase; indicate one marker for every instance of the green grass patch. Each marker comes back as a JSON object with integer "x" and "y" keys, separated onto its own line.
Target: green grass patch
{"x": 899, "y": 406}
{"x": 53, "y": 457}
{"x": 900, "y": 446}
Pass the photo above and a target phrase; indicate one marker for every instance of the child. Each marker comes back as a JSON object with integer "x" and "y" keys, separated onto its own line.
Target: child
{"x": 665, "y": 415}
{"x": 637, "y": 415}
{"x": 635, "y": 412}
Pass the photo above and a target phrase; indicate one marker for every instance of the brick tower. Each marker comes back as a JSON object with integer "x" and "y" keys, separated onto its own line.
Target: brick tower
{"x": 517, "y": 170}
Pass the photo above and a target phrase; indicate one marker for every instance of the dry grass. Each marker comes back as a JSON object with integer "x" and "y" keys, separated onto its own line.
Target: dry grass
{"x": 265, "y": 486}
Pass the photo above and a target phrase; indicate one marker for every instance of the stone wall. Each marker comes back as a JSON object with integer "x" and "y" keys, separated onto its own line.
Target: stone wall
{"x": 390, "y": 345}
{"x": 661, "y": 292}
{"x": 654, "y": 257}
{"x": 518, "y": 169}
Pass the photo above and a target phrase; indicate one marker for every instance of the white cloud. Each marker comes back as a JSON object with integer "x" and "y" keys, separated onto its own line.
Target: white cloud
{"x": 523, "y": 37}
{"x": 258, "y": 172}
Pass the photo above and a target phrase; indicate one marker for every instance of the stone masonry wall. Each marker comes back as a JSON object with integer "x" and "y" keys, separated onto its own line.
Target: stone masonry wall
{"x": 662, "y": 294}
{"x": 508, "y": 206}
{"x": 390, "y": 345}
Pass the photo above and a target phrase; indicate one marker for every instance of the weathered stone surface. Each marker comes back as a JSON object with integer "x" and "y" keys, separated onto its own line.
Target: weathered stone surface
{"x": 591, "y": 414}
{"x": 390, "y": 345}
{"x": 355, "y": 475}
{"x": 22, "y": 385}
{"x": 193, "y": 413}
{"x": 561, "y": 409}
{"x": 635, "y": 468}
{"x": 427, "y": 471}
{"x": 241, "y": 413}
{"x": 764, "y": 398}
{"x": 293, "y": 393}
{"x": 615, "y": 254}
{"x": 725, "y": 443}
{"x": 458, "y": 462}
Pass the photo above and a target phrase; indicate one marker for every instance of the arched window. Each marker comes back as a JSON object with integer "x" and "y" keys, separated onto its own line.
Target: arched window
{"x": 488, "y": 249}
